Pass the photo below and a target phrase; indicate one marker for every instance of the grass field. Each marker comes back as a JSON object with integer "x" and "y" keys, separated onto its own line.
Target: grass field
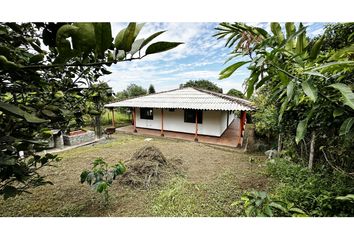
{"x": 210, "y": 180}
{"x": 120, "y": 119}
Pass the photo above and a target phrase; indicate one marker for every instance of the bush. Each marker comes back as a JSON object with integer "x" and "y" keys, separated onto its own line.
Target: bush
{"x": 313, "y": 192}
{"x": 100, "y": 178}
{"x": 260, "y": 204}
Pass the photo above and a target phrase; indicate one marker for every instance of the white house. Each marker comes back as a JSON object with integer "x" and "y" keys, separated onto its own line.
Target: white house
{"x": 187, "y": 110}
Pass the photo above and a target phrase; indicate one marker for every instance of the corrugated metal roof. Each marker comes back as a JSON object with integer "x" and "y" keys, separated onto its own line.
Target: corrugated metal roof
{"x": 187, "y": 98}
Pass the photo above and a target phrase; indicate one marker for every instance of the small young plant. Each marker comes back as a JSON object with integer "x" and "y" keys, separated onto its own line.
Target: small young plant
{"x": 259, "y": 204}
{"x": 100, "y": 178}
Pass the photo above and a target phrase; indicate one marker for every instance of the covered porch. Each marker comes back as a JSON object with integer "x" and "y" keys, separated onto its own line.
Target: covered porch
{"x": 229, "y": 138}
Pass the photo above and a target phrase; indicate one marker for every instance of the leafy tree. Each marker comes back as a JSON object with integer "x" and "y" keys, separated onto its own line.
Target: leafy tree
{"x": 151, "y": 89}
{"x": 235, "y": 93}
{"x": 46, "y": 88}
{"x": 119, "y": 96}
{"x": 336, "y": 36}
{"x": 311, "y": 88}
{"x": 98, "y": 95}
{"x": 202, "y": 84}
{"x": 134, "y": 90}
{"x": 266, "y": 116}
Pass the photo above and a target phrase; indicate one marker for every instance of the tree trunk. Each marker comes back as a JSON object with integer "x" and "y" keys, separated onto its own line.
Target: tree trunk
{"x": 279, "y": 143}
{"x": 312, "y": 149}
{"x": 98, "y": 126}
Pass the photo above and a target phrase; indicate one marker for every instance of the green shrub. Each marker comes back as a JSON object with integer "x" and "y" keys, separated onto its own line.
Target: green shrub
{"x": 100, "y": 178}
{"x": 260, "y": 204}
{"x": 314, "y": 192}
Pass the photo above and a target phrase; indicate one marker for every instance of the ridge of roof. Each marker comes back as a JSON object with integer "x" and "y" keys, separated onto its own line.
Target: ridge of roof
{"x": 227, "y": 97}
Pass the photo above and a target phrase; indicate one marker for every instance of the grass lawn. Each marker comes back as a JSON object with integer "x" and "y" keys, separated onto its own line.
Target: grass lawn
{"x": 210, "y": 180}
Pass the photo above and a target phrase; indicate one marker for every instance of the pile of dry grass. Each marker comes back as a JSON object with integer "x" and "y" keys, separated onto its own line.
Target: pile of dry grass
{"x": 148, "y": 166}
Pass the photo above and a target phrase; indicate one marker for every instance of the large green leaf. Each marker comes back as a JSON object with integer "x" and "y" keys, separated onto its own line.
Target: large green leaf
{"x": 310, "y": 90}
{"x": 125, "y": 38}
{"x": 290, "y": 29}
{"x": 161, "y": 47}
{"x": 314, "y": 73}
{"x": 250, "y": 84}
{"x": 149, "y": 39}
{"x": 282, "y": 110}
{"x": 346, "y": 126}
{"x": 231, "y": 69}
{"x": 84, "y": 39}
{"x": 290, "y": 90}
{"x": 103, "y": 34}
{"x": 300, "y": 43}
{"x": 301, "y": 130}
{"x": 119, "y": 39}
{"x": 340, "y": 64}
{"x": 316, "y": 48}
{"x": 276, "y": 30}
{"x": 14, "y": 110}
{"x": 291, "y": 40}
{"x": 347, "y": 93}
{"x": 138, "y": 29}
{"x": 349, "y": 197}
{"x": 277, "y": 206}
{"x": 136, "y": 46}
{"x": 338, "y": 112}
{"x": 129, "y": 36}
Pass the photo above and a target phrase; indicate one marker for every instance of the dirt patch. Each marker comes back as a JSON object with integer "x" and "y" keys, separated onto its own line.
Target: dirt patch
{"x": 148, "y": 166}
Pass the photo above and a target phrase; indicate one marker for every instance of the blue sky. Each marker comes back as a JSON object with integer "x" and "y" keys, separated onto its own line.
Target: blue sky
{"x": 201, "y": 56}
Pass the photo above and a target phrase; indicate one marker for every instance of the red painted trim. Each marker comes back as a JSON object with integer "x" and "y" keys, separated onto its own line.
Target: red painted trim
{"x": 162, "y": 122}
{"x": 134, "y": 119}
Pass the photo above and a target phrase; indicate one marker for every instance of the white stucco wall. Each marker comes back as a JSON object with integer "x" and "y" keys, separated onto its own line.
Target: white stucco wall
{"x": 214, "y": 122}
{"x": 223, "y": 120}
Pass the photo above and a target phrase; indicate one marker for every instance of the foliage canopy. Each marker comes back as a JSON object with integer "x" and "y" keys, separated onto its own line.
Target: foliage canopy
{"x": 50, "y": 79}
{"x": 202, "y": 84}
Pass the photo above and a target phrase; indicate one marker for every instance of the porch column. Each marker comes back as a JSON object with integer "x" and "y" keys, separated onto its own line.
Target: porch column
{"x": 134, "y": 119}
{"x": 242, "y": 128}
{"x": 113, "y": 123}
{"x": 162, "y": 122}
{"x": 196, "y": 126}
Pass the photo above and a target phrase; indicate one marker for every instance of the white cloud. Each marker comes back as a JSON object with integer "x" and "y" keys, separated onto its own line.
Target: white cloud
{"x": 204, "y": 74}
{"x": 200, "y": 57}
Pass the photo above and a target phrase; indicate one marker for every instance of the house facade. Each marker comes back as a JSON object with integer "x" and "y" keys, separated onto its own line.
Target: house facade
{"x": 187, "y": 110}
{"x": 210, "y": 122}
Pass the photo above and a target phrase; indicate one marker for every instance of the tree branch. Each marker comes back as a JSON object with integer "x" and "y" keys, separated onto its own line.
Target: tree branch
{"x": 78, "y": 64}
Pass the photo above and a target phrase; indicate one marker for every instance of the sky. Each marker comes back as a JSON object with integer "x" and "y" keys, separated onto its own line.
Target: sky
{"x": 201, "y": 56}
